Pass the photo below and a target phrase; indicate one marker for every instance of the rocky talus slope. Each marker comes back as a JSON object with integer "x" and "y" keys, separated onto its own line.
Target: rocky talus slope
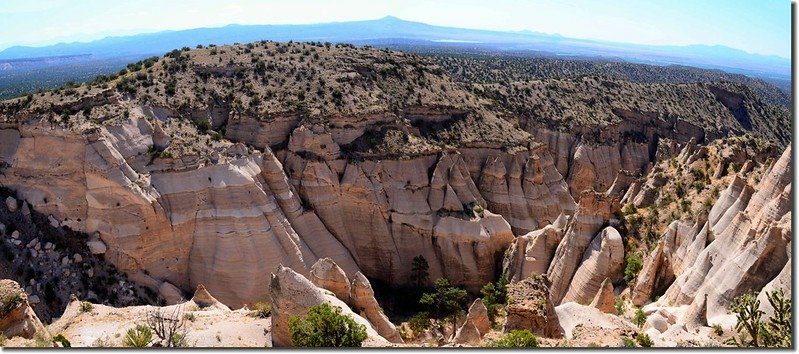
{"x": 302, "y": 173}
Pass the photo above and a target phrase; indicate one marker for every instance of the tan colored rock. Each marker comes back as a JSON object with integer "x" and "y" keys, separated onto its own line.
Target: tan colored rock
{"x": 530, "y": 307}
{"x": 467, "y": 334}
{"x": 292, "y": 295}
{"x": 364, "y": 302}
{"x": 170, "y": 293}
{"x": 594, "y": 210}
{"x": 161, "y": 140}
{"x": 572, "y": 316}
{"x": 532, "y": 253}
{"x": 20, "y": 320}
{"x": 781, "y": 282}
{"x": 679, "y": 246}
{"x": 203, "y": 299}
{"x": 604, "y": 300}
{"x": 751, "y": 231}
{"x": 475, "y": 326}
{"x": 602, "y": 260}
{"x": 326, "y": 274}
{"x": 321, "y": 144}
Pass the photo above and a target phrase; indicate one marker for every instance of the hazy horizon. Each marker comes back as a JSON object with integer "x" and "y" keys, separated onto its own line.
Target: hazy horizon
{"x": 763, "y": 29}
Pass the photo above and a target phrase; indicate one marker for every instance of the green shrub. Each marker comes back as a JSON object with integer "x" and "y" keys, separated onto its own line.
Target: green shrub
{"x": 10, "y": 302}
{"x": 628, "y": 343}
{"x": 203, "y": 125}
{"x": 2, "y": 340}
{"x": 86, "y": 306}
{"x": 261, "y": 310}
{"x": 138, "y": 337}
{"x": 779, "y": 327}
{"x": 634, "y": 263}
{"x": 517, "y": 338}
{"x": 618, "y": 303}
{"x": 752, "y": 331}
{"x": 639, "y": 318}
{"x": 419, "y": 322}
{"x": 644, "y": 340}
{"x": 326, "y": 326}
{"x": 63, "y": 340}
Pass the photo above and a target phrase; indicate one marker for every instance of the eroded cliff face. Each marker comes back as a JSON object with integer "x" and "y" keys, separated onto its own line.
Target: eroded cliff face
{"x": 228, "y": 225}
{"x": 371, "y": 181}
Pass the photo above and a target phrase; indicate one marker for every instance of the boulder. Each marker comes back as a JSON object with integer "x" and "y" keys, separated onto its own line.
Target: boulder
{"x": 530, "y": 307}
{"x": 11, "y": 204}
{"x": 96, "y": 245}
{"x": 573, "y": 315}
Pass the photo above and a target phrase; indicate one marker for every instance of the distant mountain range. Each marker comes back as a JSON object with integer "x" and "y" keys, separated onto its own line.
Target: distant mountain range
{"x": 389, "y": 31}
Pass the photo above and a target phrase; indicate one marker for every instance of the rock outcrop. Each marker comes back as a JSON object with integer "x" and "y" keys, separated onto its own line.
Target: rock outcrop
{"x": 604, "y": 300}
{"x": 751, "y": 235}
{"x": 363, "y": 300}
{"x": 17, "y": 318}
{"x": 531, "y": 307}
{"x": 602, "y": 260}
{"x": 326, "y": 274}
{"x": 593, "y": 212}
{"x": 475, "y": 326}
{"x": 292, "y": 295}
{"x": 532, "y": 253}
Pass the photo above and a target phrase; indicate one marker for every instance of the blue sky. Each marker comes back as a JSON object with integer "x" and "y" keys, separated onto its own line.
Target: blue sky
{"x": 756, "y": 26}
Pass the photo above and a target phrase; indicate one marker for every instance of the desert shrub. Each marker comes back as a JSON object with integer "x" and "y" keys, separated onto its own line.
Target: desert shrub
{"x": 517, "y": 338}
{"x": 419, "y": 322}
{"x": 138, "y": 337}
{"x": 9, "y": 303}
{"x": 2, "y": 340}
{"x": 628, "y": 343}
{"x": 189, "y": 316}
{"x": 169, "y": 328}
{"x": 634, "y": 263}
{"x": 752, "y": 331}
{"x": 261, "y": 310}
{"x": 749, "y": 327}
{"x": 203, "y": 125}
{"x": 639, "y": 318}
{"x": 618, "y": 303}
{"x": 86, "y": 306}
{"x": 326, "y": 326}
{"x": 717, "y": 329}
{"x": 779, "y": 327}
{"x": 63, "y": 340}
{"x": 644, "y": 340}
